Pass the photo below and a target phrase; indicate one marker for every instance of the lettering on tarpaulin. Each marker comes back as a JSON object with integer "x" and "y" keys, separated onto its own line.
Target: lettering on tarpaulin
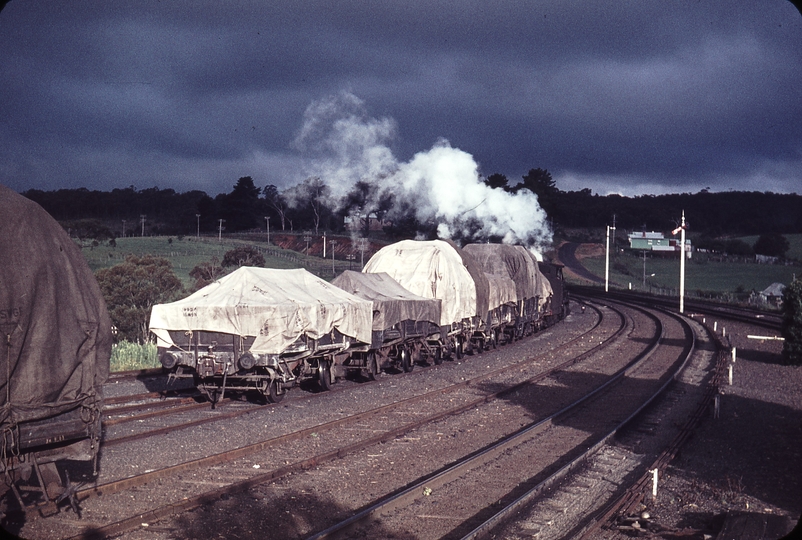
{"x": 10, "y": 315}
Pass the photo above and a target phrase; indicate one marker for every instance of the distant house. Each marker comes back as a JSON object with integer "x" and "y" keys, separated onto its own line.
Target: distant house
{"x": 773, "y": 294}
{"x": 656, "y": 241}
{"x": 766, "y": 259}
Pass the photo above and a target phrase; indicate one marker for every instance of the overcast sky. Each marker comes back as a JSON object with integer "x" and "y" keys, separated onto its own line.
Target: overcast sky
{"x": 630, "y": 97}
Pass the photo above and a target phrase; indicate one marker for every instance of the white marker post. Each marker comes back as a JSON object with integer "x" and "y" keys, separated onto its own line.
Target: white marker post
{"x": 607, "y": 263}
{"x": 654, "y": 482}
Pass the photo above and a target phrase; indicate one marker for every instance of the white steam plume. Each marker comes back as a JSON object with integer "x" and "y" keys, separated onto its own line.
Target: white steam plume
{"x": 441, "y": 185}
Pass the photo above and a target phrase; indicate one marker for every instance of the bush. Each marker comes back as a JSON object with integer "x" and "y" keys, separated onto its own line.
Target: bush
{"x": 792, "y": 323}
{"x": 772, "y": 245}
{"x": 206, "y": 272}
{"x": 243, "y": 256}
{"x": 132, "y": 288}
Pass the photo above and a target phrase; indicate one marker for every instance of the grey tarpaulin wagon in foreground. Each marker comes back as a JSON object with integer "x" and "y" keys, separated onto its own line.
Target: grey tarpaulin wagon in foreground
{"x": 56, "y": 344}
{"x": 406, "y": 327}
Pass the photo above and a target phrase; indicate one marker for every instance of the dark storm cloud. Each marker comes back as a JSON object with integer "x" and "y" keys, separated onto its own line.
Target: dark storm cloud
{"x": 623, "y": 96}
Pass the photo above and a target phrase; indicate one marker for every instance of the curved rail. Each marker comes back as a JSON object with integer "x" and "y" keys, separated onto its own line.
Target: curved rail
{"x": 513, "y": 508}
{"x": 190, "y": 502}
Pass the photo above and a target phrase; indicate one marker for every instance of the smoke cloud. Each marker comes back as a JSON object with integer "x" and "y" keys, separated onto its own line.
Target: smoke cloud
{"x": 440, "y": 186}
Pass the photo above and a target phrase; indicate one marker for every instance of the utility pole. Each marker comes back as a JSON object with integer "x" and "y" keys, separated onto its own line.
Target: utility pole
{"x": 123, "y": 228}
{"x": 220, "y": 230}
{"x": 681, "y": 230}
{"x": 362, "y": 247}
{"x": 197, "y": 216}
{"x": 644, "y": 270}
{"x": 333, "y": 243}
{"x": 142, "y": 219}
{"x": 267, "y": 219}
{"x": 607, "y": 258}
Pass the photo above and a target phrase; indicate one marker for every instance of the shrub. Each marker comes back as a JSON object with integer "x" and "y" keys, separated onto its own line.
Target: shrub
{"x": 243, "y": 256}
{"x": 792, "y": 323}
{"x": 132, "y": 288}
{"x": 206, "y": 272}
{"x": 772, "y": 245}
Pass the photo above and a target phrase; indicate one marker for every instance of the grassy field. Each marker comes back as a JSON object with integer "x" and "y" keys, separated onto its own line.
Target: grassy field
{"x": 702, "y": 274}
{"x": 127, "y": 356}
{"x": 627, "y": 270}
{"x": 795, "y": 240}
{"x": 186, "y": 253}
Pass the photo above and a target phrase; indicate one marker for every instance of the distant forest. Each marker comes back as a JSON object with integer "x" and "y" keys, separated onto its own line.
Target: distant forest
{"x": 154, "y": 211}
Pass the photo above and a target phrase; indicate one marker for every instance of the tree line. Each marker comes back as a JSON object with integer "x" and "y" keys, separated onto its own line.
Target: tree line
{"x": 308, "y": 206}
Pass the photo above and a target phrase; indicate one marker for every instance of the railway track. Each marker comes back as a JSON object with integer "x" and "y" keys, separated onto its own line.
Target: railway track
{"x": 521, "y": 466}
{"x": 401, "y": 394}
{"x": 399, "y": 413}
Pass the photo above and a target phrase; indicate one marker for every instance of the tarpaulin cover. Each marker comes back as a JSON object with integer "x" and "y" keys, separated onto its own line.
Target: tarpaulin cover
{"x": 56, "y": 331}
{"x": 502, "y": 290}
{"x": 436, "y": 269}
{"x": 515, "y": 262}
{"x": 276, "y": 307}
{"x": 544, "y": 290}
{"x": 392, "y": 303}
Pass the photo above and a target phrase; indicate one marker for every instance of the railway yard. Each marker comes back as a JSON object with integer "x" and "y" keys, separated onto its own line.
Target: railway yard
{"x": 521, "y": 441}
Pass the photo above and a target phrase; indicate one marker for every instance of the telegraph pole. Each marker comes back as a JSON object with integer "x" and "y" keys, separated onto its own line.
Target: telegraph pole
{"x": 607, "y": 258}
{"x": 197, "y": 216}
{"x": 681, "y": 230}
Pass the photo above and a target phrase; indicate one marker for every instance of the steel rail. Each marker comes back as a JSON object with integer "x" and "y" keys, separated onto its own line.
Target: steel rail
{"x": 634, "y": 495}
{"x": 235, "y": 487}
{"x": 527, "y": 498}
{"x": 414, "y": 490}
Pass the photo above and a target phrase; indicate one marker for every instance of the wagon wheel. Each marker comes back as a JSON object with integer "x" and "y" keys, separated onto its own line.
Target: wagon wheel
{"x": 324, "y": 374}
{"x": 372, "y": 366}
{"x": 458, "y": 348}
{"x": 438, "y": 356}
{"x": 407, "y": 364}
{"x": 274, "y": 395}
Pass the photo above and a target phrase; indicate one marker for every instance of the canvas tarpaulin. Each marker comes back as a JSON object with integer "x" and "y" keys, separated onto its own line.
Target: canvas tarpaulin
{"x": 392, "y": 303}
{"x": 276, "y": 307}
{"x": 515, "y": 262}
{"x": 544, "y": 290}
{"x": 502, "y": 290}
{"x": 436, "y": 269}
{"x": 55, "y": 328}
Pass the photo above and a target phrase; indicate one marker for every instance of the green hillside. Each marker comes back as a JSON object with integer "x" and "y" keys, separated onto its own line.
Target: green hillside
{"x": 187, "y": 252}
{"x": 704, "y": 275}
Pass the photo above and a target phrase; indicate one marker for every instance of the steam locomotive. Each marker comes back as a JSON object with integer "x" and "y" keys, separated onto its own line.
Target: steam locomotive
{"x": 266, "y": 330}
